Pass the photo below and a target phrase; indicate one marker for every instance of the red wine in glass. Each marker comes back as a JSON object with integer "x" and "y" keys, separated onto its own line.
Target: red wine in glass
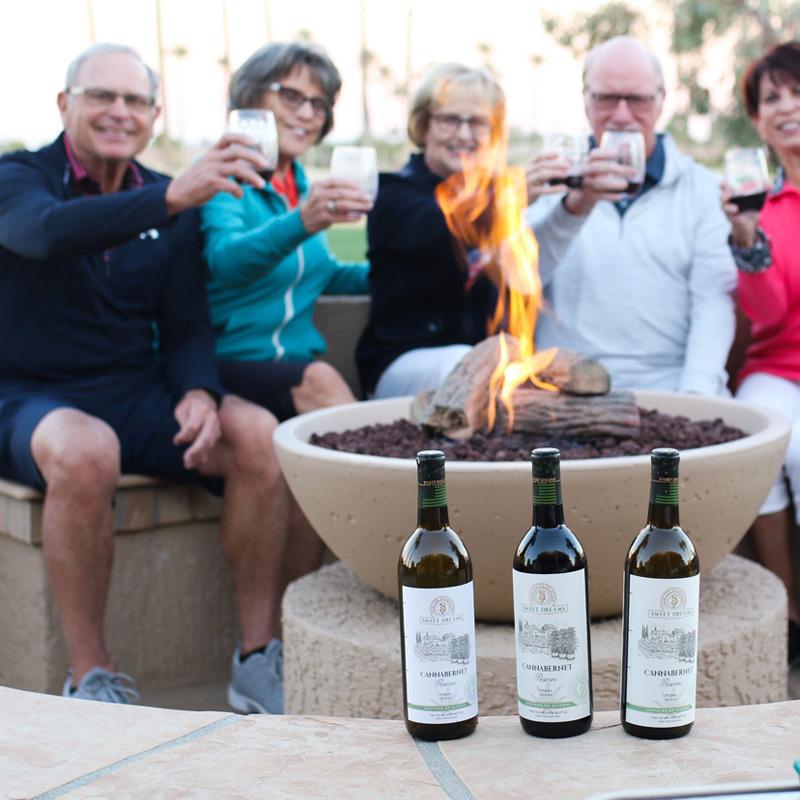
{"x": 571, "y": 181}
{"x": 749, "y": 202}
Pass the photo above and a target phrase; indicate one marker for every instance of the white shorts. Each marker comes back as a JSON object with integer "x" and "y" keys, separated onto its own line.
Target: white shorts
{"x": 419, "y": 370}
{"x": 781, "y": 395}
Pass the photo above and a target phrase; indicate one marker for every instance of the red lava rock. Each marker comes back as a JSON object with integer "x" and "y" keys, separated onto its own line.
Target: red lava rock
{"x": 403, "y": 439}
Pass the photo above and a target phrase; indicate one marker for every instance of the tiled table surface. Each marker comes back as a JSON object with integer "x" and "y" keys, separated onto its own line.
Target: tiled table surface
{"x": 51, "y": 747}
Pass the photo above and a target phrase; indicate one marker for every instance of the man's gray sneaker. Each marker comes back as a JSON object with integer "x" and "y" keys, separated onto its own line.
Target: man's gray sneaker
{"x": 104, "y": 686}
{"x": 256, "y": 685}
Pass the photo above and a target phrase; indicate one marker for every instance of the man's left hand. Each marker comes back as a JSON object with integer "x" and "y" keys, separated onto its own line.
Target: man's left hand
{"x": 199, "y": 427}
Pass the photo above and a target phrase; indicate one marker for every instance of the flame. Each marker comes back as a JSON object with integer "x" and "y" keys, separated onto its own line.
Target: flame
{"x": 484, "y": 206}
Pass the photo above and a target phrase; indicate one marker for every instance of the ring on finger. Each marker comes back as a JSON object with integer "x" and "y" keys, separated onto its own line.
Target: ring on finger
{"x": 332, "y": 206}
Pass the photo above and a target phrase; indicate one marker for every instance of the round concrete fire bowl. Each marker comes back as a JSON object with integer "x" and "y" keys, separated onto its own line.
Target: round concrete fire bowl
{"x": 364, "y": 507}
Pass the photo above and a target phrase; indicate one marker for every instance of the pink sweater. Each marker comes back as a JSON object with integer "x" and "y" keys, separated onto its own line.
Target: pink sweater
{"x": 772, "y": 298}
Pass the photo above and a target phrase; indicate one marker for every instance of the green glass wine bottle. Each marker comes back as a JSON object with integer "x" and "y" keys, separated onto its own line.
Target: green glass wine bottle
{"x": 660, "y": 615}
{"x": 437, "y": 616}
{"x": 551, "y": 614}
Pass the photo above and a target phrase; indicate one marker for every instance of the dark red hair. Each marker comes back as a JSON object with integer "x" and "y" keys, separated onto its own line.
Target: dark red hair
{"x": 781, "y": 63}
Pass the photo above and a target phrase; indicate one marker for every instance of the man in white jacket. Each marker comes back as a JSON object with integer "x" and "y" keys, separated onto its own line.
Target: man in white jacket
{"x": 646, "y": 286}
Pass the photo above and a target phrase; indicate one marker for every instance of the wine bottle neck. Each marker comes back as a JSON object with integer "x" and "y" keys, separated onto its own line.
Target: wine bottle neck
{"x": 548, "y": 508}
{"x": 548, "y": 516}
{"x": 432, "y": 505}
{"x": 663, "y": 509}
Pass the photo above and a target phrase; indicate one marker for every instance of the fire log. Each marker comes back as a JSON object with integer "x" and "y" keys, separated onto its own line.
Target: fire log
{"x": 557, "y": 414}
{"x": 458, "y": 406}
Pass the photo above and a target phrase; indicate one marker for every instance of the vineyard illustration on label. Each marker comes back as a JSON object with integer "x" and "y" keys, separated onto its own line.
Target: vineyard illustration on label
{"x": 446, "y": 648}
{"x": 548, "y": 640}
{"x": 658, "y": 642}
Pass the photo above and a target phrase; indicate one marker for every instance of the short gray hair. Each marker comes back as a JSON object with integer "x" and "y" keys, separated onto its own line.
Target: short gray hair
{"x": 629, "y": 40}
{"x": 275, "y": 61}
{"x": 106, "y": 48}
{"x": 437, "y": 81}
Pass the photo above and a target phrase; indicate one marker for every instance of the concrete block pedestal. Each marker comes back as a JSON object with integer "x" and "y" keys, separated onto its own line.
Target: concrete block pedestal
{"x": 342, "y": 639}
{"x": 170, "y": 618}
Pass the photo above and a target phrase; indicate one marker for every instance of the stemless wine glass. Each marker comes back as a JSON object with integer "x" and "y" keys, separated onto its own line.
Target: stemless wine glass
{"x": 259, "y": 125}
{"x": 359, "y": 165}
{"x": 574, "y": 147}
{"x": 628, "y": 146}
{"x": 746, "y": 175}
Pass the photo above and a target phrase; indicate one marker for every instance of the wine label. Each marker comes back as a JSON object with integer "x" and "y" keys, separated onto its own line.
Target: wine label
{"x": 441, "y": 673}
{"x": 662, "y": 651}
{"x": 552, "y": 646}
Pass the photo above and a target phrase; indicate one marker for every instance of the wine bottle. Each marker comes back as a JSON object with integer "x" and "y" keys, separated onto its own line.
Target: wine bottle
{"x": 437, "y": 616}
{"x": 551, "y": 614}
{"x": 660, "y": 615}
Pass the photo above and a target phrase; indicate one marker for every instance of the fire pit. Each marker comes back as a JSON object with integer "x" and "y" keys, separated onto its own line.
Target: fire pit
{"x": 364, "y": 507}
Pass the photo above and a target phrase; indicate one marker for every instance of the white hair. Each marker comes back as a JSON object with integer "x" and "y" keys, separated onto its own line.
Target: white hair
{"x": 106, "y": 48}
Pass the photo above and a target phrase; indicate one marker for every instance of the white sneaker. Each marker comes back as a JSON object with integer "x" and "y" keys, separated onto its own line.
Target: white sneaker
{"x": 256, "y": 685}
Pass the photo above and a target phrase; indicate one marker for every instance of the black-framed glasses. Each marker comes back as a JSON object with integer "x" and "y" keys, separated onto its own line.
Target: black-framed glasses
{"x": 480, "y": 127}
{"x": 293, "y": 99}
{"x": 105, "y": 98}
{"x": 608, "y": 101}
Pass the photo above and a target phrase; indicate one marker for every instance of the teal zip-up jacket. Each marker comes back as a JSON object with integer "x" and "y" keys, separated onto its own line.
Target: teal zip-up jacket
{"x": 265, "y": 273}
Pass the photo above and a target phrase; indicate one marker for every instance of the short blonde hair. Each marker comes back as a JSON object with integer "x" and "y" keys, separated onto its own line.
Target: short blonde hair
{"x": 444, "y": 77}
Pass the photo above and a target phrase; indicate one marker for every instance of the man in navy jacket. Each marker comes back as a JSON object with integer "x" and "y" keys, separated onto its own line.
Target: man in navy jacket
{"x": 107, "y": 366}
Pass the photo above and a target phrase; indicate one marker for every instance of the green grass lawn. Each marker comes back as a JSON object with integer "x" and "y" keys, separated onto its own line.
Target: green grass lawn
{"x": 348, "y": 242}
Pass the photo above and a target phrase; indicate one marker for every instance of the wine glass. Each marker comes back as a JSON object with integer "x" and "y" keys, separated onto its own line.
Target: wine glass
{"x": 747, "y": 177}
{"x": 358, "y": 165}
{"x": 628, "y": 147}
{"x": 259, "y": 125}
{"x": 574, "y": 147}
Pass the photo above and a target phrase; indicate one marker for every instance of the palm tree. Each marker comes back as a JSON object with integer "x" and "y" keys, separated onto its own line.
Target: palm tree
{"x": 366, "y": 57}
{"x": 162, "y": 71}
{"x": 90, "y": 13}
{"x": 267, "y": 21}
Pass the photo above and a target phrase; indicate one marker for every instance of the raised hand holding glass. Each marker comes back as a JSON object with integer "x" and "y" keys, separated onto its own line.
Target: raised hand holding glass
{"x": 358, "y": 165}
{"x": 574, "y": 147}
{"x": 628, "y": 146}
{"x": 747, "y": 177}
{"x": 259, "y": 125}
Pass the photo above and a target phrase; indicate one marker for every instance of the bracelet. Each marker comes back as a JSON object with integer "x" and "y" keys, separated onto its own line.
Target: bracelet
{"x": 757, "y": 258}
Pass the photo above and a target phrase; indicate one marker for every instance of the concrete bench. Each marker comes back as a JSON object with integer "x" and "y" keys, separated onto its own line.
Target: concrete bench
{"x": 54, "y": 747}
{"x": 170, "y": 617}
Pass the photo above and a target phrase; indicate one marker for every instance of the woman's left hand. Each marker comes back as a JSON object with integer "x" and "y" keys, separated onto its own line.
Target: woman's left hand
{"x": 331, "y": 201}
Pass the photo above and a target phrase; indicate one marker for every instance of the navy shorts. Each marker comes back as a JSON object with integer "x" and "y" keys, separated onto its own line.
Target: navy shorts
{"x": 139, "y": 408}
{"x": 268, "y": 384}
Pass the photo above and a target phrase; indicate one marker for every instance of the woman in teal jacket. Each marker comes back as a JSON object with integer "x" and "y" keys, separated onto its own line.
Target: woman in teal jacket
{"x": 267, "y": 256}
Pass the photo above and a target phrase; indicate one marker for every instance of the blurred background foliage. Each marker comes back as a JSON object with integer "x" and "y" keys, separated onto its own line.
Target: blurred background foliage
{"x": 745, "y": 28}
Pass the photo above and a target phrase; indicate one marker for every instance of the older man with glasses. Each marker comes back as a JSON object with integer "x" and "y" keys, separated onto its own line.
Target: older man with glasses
{"x": 646, "y": 286}
{"x": 107, "y": 365}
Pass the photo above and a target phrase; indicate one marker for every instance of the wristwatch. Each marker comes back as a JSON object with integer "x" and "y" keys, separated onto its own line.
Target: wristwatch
{"x": 757, "y": 258}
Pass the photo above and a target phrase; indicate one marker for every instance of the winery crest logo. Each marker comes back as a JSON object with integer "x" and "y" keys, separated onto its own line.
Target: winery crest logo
{"x": 674, "y": 599}
{"x": 542, "y": 594}
{"x": 673, "y": 604}
{"x": 542, "y": 599}
{"x": 443, "y": 606}
{"x": 442, "y": 612}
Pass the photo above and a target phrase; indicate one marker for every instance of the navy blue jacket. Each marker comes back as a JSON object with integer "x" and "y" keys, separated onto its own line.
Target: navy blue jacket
{"x": 89, "y": 282}
{"x": 418, "y": 278}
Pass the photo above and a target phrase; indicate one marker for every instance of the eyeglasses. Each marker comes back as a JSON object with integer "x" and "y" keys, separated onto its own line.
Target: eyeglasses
{"x": 449, "y": 123}
{"x": 105, "y": 98}
{"x": 608, "y": 102}
{"x": 293, "y": 99}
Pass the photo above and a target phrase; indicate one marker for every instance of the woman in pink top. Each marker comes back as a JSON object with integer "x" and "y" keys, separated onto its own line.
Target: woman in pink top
{"x": 766, "y": 247}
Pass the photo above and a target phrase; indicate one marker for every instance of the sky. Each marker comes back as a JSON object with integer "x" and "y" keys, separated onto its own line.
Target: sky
{"x": 38, "y": 38}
